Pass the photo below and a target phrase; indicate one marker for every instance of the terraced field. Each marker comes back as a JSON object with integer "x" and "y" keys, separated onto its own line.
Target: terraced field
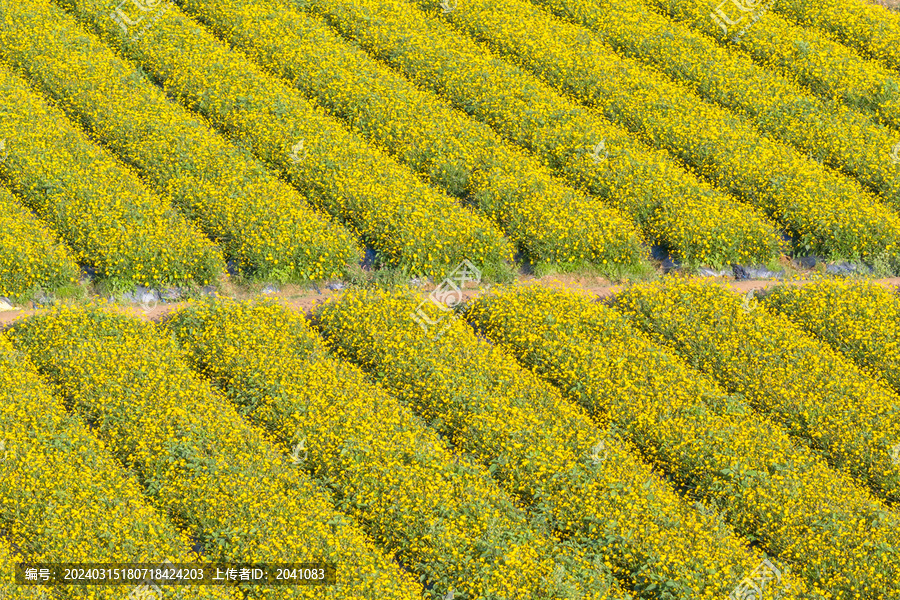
{"x": 444, "y": 423}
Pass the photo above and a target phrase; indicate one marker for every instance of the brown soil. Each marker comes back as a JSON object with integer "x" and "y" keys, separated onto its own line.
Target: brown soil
{"x": 303, "y": 300}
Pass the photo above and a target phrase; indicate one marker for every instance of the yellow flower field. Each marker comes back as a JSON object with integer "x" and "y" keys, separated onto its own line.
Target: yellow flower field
{"x": 539, "y": 213}
{"x": 770, "y": 489}
{"x": 224, "y": 480}
{"x": 96, "y": 205}
{"x": 859, "y": 319}
{"x": 261, "y": 222}
{"x": 826, "y": 67}
{"x": 413, "y": 225}
{"x": 439, "y": 512}
{"x": 66, "y": 496}
{"x": 8, "y": 587}
{"x": 828, "y": 213}
{"x": 31, "y": 256}
{"x": 845, "y": 139}
{"x": 871, "y": 29}
{"x": 437, "y": 295}
{"x": 699, "y": 224}
{"x": 542, "y": 448}
{"x": 816, "y": 394}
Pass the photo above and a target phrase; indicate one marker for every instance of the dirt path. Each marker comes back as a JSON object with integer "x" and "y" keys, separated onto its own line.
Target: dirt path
{"x": 306, "y": 301}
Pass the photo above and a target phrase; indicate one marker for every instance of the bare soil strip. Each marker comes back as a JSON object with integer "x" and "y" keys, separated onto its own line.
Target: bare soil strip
{"x": 306, "y": 300}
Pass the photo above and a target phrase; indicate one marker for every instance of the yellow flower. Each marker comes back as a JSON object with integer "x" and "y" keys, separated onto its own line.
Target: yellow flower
{"x": 360, "y": 185}
{"x": 223, "y": 479}
{"x": 97, "y": 205}
{"x": 260, "y": 220}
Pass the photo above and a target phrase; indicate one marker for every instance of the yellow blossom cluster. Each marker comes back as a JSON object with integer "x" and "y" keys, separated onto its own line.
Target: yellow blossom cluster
{"x": 871, "y": 29}
{"x": 773, "y": 491}
{"x": 846, "y": 139}
{"x": 815, "y": 393}
{"x": 827, "y": 213}
{"x": 259, "y": 220}
{"x": 9, "y": 589}
{"x": 411, "y": 224}
{"x": 859, "y": 318}
{"x": 550, "y": 221}
{"x": 222, "y": 479}
{"x": 589, "y": 482}
{"x": 31, "y": 255}
{"x": 699, "y": 224}
{"x": 828, "y": 68}
{"x": 64, "y": 496}
{"x": 97, "y": 205}
{"x": 440, "y": 513}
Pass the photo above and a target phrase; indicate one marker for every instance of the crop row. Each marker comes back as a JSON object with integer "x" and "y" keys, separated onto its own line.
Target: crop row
{"x": 31, "y": 256}
{"x": 590, "y": 486}
{"x": 859, "y": 319}
{"x": 869, "y": 28}
{"x": 98, "y": 206}
{"x": 412, "y": 225}
{"x": 439, "y": 513}
{"x": 63, "y": 496}
{"x": 9, "y": 589}
{"x": 220, "y": 478}
{"x": 828, "y": 68}
{"x": 772, "y": 491}
{"x": 8, "y": 557}
{"x": 698, "y": 223}
{"x": 827, "y": 213}
{"x": 843, "y": 138}
{"x": 548, "y": 220}
{"x": 259, "y": 221}
{"x": 816, "y": 394}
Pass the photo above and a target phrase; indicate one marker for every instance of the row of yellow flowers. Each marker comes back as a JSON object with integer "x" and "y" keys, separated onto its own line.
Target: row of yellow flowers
{"x": 411, "y": 224}
{"x": 9, "y": 589}
{"x": 259, "y": 220}
{"x": 550, "y": 221}
{"x": 845, "y": 139}
{"x": 834, "y": 533}
{"x": 828, "y": 68}
{"x": 31, "y": 255}
{"x": 64, "y": 498}
{"x": 225, "y": 481}
{"x": 97, "y": 205}
{"x": 815, "y": 393}
{"x": 441, "y": 514}
{"x": 860, "y": 319}
{"x": 588, "y": 484}
{"x": 869, "y": 28}
{"x": 674, "y": 207}
{"x": 827, "y": 213}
